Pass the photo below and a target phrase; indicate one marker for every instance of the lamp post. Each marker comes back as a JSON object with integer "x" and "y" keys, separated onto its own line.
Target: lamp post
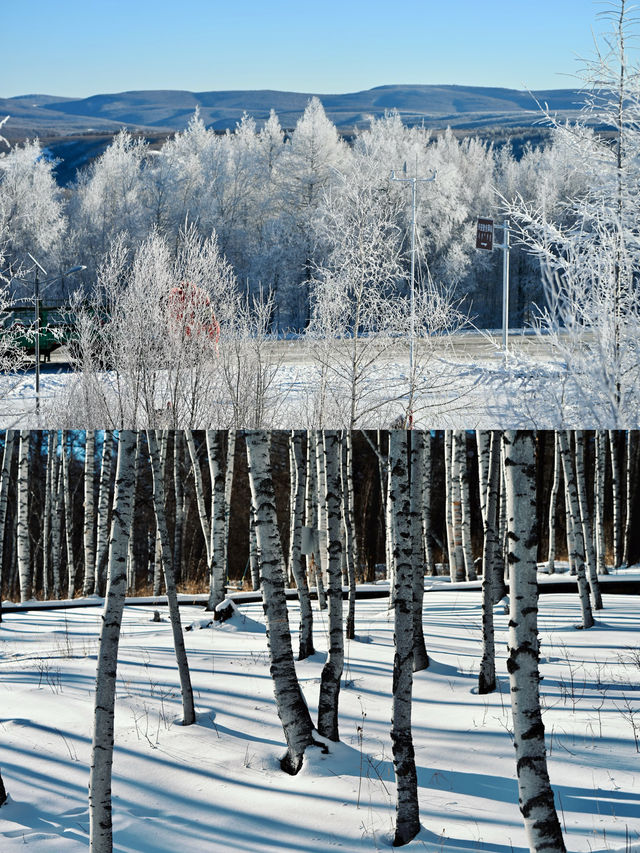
{"x": 413, "y": 181}
{"x": 36, "y": 297}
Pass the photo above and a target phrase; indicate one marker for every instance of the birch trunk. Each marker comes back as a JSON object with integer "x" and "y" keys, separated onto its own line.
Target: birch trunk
{"x": 56, "y": 507}
{"x": 490, "y": 554}
{"x": 416, "y": 462}
{"x": 188, "y": 711}
{"x": 68, "y": 517}
{"x": 456, "y": 509}
{"x": 215, "y": 454}
{"x": 574, "y": 532}
{"x": 88, "y": 531}
{"x": 254, "y": 557}
{"x": 448, "y": 497}
{"x": 601, "y": 459}
{"x": 502, "y": 523}
{"x": 534, "y": 788}
{"x": 290, "y": 703}
{"x": 22, "y": 530}
{"x": 131, "y": 556}
{"x": 407, "y": 812}
{"x": 4, "y": 492}
{"x": 199, "y": 489}
{"x": 162, "y": 440}
{"x": 483, "y": 444}
{"x": 349, "y": 530}
{"x": 46, "y": 522}
{"x": 553, "y": 499}
{"x": 465, "y": 506}
{"x": 384, "y": 487}
{"x": 631, "y": 473}
{"x": 103, "y": 511}
{"x": 617, "y": 498}
{"x": 296, "y": 569}
{"x": 322, "y": 557}
{"x": 426, "y": 505}
{"x": 178, "y": 491}
{"x": 332, "y": 670}
{"x": 228, "y": 489}
{"x": 585, "y": 522}
{"x": 100, "y": 819}
{"x": 313, "y": 517}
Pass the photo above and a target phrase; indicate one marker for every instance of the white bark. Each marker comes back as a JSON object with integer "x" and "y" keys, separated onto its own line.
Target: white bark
{"x": 188, "y": 711}
{"x": 178, "y": 489}
{"x": 348, "y": 520}
{"x": 56, "y": 511}
{"x": 616, "y": 487}
{"x": 490, "y": 556}
{"x": 254, "y": 557}
{"x": 312, "y": 514}
{"x": 448, "y": 513}
{"x": 574, "y": 531}
{"x": 332, "y": 670}
{"x": 534, "y": 788}
{"x": 601, "y": 459}
{"x": 100, "y": 820}
{"x": 68, "y": 517}
{"x": 426, "y": 504}
{"x": 458, "y": 563}
{"x": 483, "y": 444}
{"x": 585, "y": 522}
{"x": 291, "y": 706}
{"x": 88, "y": 536}
{"x": 228, "y": 489}
{"x": 199, "y": 488}
{"x": 218, "y": 566}
{"x": 416, "y": 463}
{"x": 296, "y": 569}
{"x": 23, "y": 544}
{"x": 407, "y": 812}
{"x": 631, "y": 474}
{"x": 131, "y": 562}
{"x": 162, "y": 439}
{"x": 4, "y": 492}
{"x": 557, "y": 467}
{"x": 465, "y": 507}
{"x": 103, "y": 510}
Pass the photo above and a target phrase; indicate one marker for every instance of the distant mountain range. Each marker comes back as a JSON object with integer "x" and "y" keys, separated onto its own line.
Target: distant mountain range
{"x": 165, "y": 111}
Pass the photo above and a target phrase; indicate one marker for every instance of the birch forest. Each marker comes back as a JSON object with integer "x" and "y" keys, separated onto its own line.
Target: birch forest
{"x": 361, "y": 575}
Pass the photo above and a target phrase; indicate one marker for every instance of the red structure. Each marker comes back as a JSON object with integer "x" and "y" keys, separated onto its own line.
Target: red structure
{"x": 190, "y": 306}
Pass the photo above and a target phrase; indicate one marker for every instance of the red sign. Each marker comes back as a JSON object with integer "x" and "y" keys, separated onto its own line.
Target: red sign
{"x": 484, "y": 234}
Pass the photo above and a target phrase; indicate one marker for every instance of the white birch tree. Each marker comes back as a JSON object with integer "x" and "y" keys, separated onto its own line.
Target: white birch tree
{"x": 292, "y": 708}
{"x": 407, "y": 811}
{"x": 534, "y": 788}
{"x": 100, "y": 808}
{"x": 332, "y": 670}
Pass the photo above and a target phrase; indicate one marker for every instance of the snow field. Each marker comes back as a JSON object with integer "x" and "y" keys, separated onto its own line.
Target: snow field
{"x": 217, "y": 785}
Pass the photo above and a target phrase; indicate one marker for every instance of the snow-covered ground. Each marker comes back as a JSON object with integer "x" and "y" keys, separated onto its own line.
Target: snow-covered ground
{"x": 217, "y": 786}
{"x": 470, "y": 385}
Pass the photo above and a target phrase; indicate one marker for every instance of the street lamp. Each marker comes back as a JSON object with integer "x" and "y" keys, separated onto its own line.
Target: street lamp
{"x": 36, "y": 295}
{"x": 413, "y": 181}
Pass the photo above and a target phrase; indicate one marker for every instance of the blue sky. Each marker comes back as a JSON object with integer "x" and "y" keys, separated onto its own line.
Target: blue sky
{"x": 84, "y": 47}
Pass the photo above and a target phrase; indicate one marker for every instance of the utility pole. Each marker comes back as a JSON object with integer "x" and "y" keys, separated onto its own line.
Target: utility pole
{"x": 36, "y": 296}
{"x": 505, "y": 284}
{"x": 484, "y": 240}
{"x": 413, "y": 181}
